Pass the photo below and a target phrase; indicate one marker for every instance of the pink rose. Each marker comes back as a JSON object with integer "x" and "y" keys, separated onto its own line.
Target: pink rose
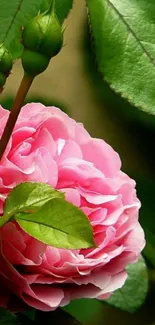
{"x": 50, "y": 147}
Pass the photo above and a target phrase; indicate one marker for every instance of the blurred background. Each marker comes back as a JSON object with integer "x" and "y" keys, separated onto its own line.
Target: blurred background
{"x": 73, "y": 84}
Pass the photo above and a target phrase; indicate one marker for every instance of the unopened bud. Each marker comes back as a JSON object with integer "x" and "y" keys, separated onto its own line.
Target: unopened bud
{"x": 6, "y": 61}
{"x": 34, "y": 63}
{"x": 42, "y": 37}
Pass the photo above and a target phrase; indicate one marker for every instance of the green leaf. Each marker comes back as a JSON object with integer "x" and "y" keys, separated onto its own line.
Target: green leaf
{"x": 133, "y": 293}
{"x": 123, "y": 34}
{"x": 29, "y": 196}
{"x": 7, "y": 318}
{"x": 58, "y": 223}
{"x": 62, "y": 8}
{"x": 15, "y": 14}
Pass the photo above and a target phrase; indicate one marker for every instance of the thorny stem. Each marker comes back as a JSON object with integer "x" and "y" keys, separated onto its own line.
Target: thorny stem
{"x": 19, "y": 100}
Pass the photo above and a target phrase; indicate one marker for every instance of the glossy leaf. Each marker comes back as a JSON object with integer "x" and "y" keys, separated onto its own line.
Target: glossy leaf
{"x": 29, "y": 196}
{"x": 58, "y": 223}
{"x": 134, "y": 292}
{"x": 123, "y": 34}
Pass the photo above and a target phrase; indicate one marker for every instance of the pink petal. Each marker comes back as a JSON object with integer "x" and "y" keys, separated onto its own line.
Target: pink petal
{"x": 102, "y": 156}
{"x": 117, "y": 282}
{"x": 70, "y": 149}
{"x": 97, "y": 198}
{"x": 46, "y": 297}
{"x": 76, "y": 171}
{"x": 44, "y": 139}
{"x": 72, "y": 195}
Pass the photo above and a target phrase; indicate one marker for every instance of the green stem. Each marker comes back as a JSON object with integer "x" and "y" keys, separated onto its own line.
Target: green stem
{"x": 52, "y": 6}
{"x": 19, "y": 100}
{"x": 4, "y": 220}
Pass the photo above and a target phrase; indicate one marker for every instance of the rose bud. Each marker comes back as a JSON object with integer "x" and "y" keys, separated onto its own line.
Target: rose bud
{"x": 42, "y": 39}
{"x": 6, "y": 60}
{"x": 6, "y": 63}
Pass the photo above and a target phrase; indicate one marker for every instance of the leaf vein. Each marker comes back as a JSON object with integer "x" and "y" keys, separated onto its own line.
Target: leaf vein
{"x": 132, "y": 32}
{"x": 46, "y": 225}
{"x": 13, "y": 19}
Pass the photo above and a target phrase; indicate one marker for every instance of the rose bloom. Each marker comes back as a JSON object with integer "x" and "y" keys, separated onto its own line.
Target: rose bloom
{"x": 48, "y": 146}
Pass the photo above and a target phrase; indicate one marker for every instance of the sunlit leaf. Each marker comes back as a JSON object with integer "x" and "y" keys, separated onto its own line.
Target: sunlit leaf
{"x": 58, "y": 223}
{"x": 29, "y": 196}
